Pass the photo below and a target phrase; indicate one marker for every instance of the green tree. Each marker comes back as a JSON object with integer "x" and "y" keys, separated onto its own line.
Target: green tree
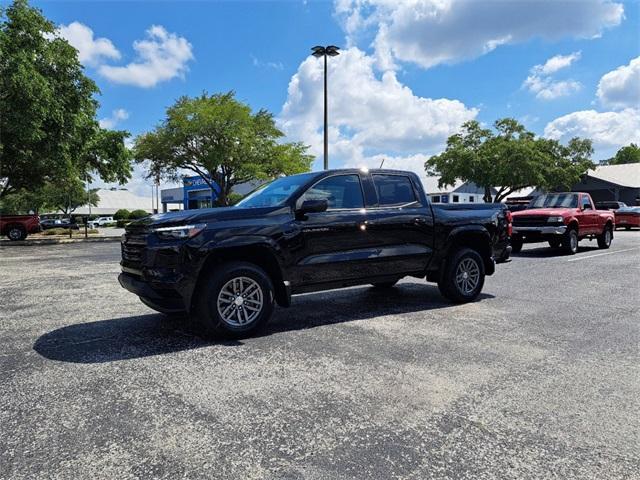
{"x": 219, "y": 138}
{"x": 509, "y": 158}
{"x": 122, "y": 214}
{"x": 67, "y": 196}
{"x": 138, "y": 214}
{"x": 47, "y": 109}
{"x": 628, "y": 154}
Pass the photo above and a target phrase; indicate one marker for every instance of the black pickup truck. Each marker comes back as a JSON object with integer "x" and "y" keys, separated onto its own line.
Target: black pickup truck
{"x": 227, "y": 267}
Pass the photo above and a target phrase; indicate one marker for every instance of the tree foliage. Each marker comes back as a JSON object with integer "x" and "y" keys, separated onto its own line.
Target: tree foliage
{"x": 47, "y": 109}
{"x": 67, "y": 196}
{"x": 628, "y": 154}
{"x": 219, "y": 138}
{"x": 509, "y": 158}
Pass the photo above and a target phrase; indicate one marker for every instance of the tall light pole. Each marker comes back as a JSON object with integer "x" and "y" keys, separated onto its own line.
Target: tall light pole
{"x": 328, "y": 51}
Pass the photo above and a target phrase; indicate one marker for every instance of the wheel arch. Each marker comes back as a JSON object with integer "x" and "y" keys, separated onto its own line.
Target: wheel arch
{"x": 259, "y": 254}
{"x": 474, "y": 237}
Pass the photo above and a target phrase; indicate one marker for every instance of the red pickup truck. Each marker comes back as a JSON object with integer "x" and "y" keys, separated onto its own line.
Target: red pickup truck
{"x": 562, "y": 219}
{"x": 17, "y": 227}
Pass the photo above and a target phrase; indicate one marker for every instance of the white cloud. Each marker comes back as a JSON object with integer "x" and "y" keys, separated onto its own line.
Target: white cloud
{"x": 370, "y": 116}
{"x": 116, "y": 117}
{"x": 608, "y": 130}
{"x": 546, "y": 88}
{"x": 432, "y": 32}
{"x": 260, "y": 64}
{"x": 542, "y": 83}
{"x": 556, "y": 63}
{"x": 91, "y": 50}
{"x": 162, "y": 56}
{"x": 620, "y": 88}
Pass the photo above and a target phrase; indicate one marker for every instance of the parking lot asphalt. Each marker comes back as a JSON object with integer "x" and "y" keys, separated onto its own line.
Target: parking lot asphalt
{"x": 538, "y": 379}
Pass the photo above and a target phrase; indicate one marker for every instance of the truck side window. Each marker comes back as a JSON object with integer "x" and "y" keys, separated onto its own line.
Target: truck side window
{"x": 394, "y": 190}
{"x": 340, "y": 191}
{"x": 586, "y": 204}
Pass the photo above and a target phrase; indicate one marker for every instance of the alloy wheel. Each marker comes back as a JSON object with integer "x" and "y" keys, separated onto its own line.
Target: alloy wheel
{"x": 467, "y": 276}
{"x": 240, "y": 301}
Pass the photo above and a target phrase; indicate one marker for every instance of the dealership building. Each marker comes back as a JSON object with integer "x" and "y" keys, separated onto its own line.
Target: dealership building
{"x": 196, "y": 193}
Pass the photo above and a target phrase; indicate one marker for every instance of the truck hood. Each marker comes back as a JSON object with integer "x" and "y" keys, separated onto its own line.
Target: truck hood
{"x": 206, "y": 215}
{"x": 549, "y": 212}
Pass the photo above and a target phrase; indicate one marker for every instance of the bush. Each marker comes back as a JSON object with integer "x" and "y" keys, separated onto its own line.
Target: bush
{"x": 122, "y": 214}
{"x": 56, "y": 231}
{"x": 138, "y": 214}
{"x": 111, "y": 224}
{"x": 122, "y": 223}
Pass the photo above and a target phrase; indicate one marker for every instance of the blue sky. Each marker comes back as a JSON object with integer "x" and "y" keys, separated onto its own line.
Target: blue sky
{"x": 409, "y": 75}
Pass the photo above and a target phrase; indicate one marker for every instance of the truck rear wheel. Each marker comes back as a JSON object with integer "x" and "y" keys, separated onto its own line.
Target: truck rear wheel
{"x": 463, "y": 276}
{"x": 234, "y": 301}
{"x": 16, "y": 232}
{"x": 604, "y": 240}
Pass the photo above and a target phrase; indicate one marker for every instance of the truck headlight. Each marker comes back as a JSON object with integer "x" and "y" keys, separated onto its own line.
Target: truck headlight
{"x": 179, "y": 232}
{"x": 555, "y": 220}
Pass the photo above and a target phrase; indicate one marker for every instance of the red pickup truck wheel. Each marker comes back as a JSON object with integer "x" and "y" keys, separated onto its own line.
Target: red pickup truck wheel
{"x": 570, "y": 241}
{"x": 604, "y": 240}
{"x": 16, "y": 232}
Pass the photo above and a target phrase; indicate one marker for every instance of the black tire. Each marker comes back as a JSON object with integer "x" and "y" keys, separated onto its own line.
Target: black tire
{"x": 570, "y": 242}
{"x": 452, "y": 285}
{"x": 168, "y": 312}
{"x": 555, "y": 243}
{"x": 16, "y": 233}
{"x": 516, "y": 245}
{"x": 207, "y": 314}
{"x": 384, "y": 284}
{"x": 604, "y": 240}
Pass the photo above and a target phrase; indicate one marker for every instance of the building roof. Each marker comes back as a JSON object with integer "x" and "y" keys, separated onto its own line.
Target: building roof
{"x": 626, "y": 175}
{"x": 113, "y": 200}
{"x": 430, "y": 184}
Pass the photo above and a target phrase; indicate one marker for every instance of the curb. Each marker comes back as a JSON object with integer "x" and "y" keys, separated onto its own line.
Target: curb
{"x": 56, "y": 241}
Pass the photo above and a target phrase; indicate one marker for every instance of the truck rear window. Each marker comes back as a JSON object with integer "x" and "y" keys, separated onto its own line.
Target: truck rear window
{"x": 393, "y": 190}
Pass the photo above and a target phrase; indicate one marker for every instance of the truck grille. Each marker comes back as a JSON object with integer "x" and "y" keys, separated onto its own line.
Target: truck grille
{"x": 530, "y": 221}
{"x": 133, "y": 248}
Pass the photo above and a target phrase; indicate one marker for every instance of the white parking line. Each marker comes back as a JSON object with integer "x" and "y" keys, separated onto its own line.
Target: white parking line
{"x": 600, "y": 254}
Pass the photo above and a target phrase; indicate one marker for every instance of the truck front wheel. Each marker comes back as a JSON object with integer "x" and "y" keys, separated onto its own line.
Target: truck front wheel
{"x": 463, "y": 276}
{"x": 234, "y": 301}
{"x": 570, "y": 242}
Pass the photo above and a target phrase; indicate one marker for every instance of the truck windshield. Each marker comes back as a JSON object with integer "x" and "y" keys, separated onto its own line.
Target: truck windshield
{"x": 556, "y": 200}
{"x": 274, "y": 193}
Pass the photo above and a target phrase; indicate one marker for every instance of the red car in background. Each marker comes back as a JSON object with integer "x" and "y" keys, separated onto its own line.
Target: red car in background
{"x": 562, "y": 219}
{"x": 628, "y": 217}
{"x": 17, "y": 227}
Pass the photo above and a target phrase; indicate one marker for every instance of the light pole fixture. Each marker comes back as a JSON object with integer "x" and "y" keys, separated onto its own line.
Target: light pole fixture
{"x": 328, "y": 51}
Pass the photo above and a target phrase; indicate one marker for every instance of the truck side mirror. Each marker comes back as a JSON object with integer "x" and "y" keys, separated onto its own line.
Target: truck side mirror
{"x": 312, "y": 206}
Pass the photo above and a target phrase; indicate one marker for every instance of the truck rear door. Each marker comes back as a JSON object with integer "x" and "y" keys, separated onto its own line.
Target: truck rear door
{"x": 400, "y": 223}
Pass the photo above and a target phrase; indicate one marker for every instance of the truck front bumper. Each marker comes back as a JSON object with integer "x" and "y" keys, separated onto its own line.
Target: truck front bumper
{"x": 143, "y": 290}
{"x": 547, "y": 230}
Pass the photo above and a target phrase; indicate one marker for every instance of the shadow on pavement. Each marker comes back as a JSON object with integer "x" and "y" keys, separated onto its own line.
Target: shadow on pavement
{"x": 548, "y": 252}
{"x": 147, "y": 335}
